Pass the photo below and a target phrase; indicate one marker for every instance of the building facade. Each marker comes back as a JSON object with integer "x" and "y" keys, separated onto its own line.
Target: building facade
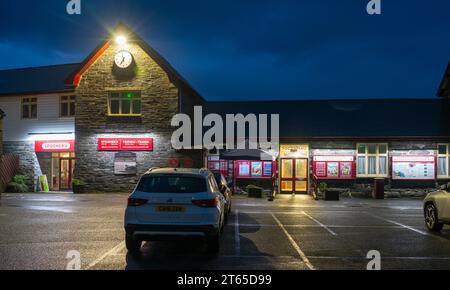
{"x": 104, "y": 122}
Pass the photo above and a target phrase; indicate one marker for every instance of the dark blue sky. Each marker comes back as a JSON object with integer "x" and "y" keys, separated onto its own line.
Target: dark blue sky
{"x": 252, "y": 49}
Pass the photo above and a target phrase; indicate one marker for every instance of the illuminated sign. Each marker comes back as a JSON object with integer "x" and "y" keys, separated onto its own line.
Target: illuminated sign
{"x": 413, "y": 167}
{"x": 54, "y": 146}
{"x": 334, "y": 167}
{"x": 125, "y": 144}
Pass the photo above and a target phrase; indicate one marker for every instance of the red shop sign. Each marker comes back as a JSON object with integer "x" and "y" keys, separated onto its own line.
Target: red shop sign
{"x": 125, "y": 144}
{"x": 54, "y": 146}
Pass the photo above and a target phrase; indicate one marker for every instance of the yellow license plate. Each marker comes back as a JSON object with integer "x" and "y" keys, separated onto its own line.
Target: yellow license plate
{"x": 170, "y": 208}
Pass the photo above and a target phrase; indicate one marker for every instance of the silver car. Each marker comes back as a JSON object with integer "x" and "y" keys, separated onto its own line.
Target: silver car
{"x": 437, "y": 208}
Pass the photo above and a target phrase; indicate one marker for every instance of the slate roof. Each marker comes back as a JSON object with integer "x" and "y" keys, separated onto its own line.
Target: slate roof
{"x": 444, "y": 88}
{"x": 350, "y": 119}
{"x": 36, "y": 80}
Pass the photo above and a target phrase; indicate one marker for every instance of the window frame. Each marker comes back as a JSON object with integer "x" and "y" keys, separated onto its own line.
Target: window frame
{"x": 120, "y": 99}
{"x": 447, "y": 157}
{"x": 67, "y": 103}
{"x": 377, "y": 156}
{"x": 29, "y": 105}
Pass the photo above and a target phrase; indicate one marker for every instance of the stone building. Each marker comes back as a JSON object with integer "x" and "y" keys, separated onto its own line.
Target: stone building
{"x": 105, "y": 121}
{"x": 2, "y": 115}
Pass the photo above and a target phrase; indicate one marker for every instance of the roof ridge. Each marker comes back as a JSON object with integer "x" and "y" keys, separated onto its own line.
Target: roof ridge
{"x": 38, "y": 67}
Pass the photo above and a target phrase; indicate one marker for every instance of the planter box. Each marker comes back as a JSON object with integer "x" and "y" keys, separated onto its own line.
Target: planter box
{"x": 332, "y": 195}
{"x": 255, "y": 192}
{"x": 79, "y": 189}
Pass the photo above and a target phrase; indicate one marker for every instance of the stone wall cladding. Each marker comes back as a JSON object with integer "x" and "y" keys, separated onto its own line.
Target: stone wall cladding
{"x": 28, "y": 161}
{"x": 1, "y": 136}
{"x": 159, "y": 99}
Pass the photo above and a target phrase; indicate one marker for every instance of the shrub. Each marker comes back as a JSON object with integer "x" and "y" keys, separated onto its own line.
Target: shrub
{"x": 21, "y": 179}
{"x": 18, "y": 184}
{"x": 78, "y": 182}
{"x": 323, "y": 187}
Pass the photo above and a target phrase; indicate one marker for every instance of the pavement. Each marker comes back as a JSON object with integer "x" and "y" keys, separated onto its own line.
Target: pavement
{"x": 47, "y": 231}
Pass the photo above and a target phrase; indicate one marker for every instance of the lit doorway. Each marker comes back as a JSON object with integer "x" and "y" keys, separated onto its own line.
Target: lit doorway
{"x": 294, "y": 175}
{"x": 63, "y": 165}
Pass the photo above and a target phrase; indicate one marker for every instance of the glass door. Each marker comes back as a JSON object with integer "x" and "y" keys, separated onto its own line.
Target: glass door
{"x": 294, "y": 175}
{"x": 66, "y": 167}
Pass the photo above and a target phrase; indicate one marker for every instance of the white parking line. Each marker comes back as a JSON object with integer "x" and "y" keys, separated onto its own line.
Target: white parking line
{"x": 320, "y": 224}
{"x": 401, "y": 225}
{"x": 385, "y": 258}
{"x": 294, "y": 244}
{"x": 114, "y": 251}
{"x": 237, "y": 237}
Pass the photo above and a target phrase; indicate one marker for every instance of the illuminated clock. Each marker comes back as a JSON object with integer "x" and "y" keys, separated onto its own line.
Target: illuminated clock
{"x": 123, "y": 59}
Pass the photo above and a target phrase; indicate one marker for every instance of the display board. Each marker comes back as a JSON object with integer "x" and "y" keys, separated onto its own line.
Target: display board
{"x": 413, "y": 167}
{"x": 334, "y": 167}
{"x": 215, "y": 164}
{"x": 125, "y": 163}
{"x": 253, "y": 169}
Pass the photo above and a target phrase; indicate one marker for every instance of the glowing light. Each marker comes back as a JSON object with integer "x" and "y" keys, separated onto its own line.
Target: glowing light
{"x": 121, "y": 40}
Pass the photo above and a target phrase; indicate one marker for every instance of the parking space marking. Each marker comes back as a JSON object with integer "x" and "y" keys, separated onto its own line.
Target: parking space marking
{"x": 401, "y": 225}
{"x": 113, "y": 251}
{"x": 320, "y": 224}
{"x": 387, "y": 258}
{"x": 237, "y": 236}
{"x": 294, "y": 244}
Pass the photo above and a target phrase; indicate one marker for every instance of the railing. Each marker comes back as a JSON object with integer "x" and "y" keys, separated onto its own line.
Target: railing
{"x": 9, "y": 165}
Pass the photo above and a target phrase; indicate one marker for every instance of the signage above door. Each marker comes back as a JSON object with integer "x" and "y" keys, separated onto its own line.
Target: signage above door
{"x": 54, "y": 146}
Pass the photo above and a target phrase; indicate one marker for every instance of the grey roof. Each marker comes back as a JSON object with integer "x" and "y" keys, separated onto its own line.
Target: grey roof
{"x": 444, "y": 88}
{"x": 36, "y": 80}
{"x": 381, "y": 118}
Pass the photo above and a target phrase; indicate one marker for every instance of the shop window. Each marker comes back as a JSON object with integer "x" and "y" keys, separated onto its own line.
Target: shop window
{"x": 29, "y": 108}
{"x": 372, "y": 160}
{"x": 443, "y": 160}
{"x": 67, "y": 106}
{"x": 124, "y": 104}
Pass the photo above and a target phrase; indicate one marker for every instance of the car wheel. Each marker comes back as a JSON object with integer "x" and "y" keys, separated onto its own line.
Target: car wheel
{"x": 213, "y": 244}
{"x": 431, "y": 218}
{"x": 133, "y": 245}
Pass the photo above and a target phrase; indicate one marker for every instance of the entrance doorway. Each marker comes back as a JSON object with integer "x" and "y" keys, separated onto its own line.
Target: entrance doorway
{"x": 294, "y": 175}
{"x": 63, "y": 165}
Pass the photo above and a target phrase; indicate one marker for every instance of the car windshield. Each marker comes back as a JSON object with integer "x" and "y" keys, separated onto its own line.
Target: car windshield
{"x": 172, "y": 184}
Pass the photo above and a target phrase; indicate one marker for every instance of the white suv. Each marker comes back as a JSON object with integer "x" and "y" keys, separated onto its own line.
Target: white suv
{"x": 437, "y": 208}
{"x": 175, "y": 203}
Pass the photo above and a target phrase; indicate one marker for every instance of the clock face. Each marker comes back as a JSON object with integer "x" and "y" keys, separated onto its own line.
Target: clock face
{"x": 123, "y": 59}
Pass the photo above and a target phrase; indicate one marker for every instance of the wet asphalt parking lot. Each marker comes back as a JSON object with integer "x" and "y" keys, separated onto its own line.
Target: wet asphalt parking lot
{"x": 37, "y": 231}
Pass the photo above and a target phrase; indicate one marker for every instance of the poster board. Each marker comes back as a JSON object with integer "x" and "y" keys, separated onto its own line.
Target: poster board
{"x": 334, "y": 167}
{"x": 125, "y": 163}
{"x": 253, "y": 169}
{"x": 413, "y": 167}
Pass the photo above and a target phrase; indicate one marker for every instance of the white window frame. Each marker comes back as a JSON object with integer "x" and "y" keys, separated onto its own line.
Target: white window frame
{"x": 29, "y": 104}
{"x": 377, "y": 156}
{"x": 120, "y": 98}
{"x": 70, "y": 100}
{"x": 447, "y": 156}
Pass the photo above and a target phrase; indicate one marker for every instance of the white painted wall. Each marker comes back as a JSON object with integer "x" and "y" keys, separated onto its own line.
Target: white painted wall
{"x": 48, "y": 120}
